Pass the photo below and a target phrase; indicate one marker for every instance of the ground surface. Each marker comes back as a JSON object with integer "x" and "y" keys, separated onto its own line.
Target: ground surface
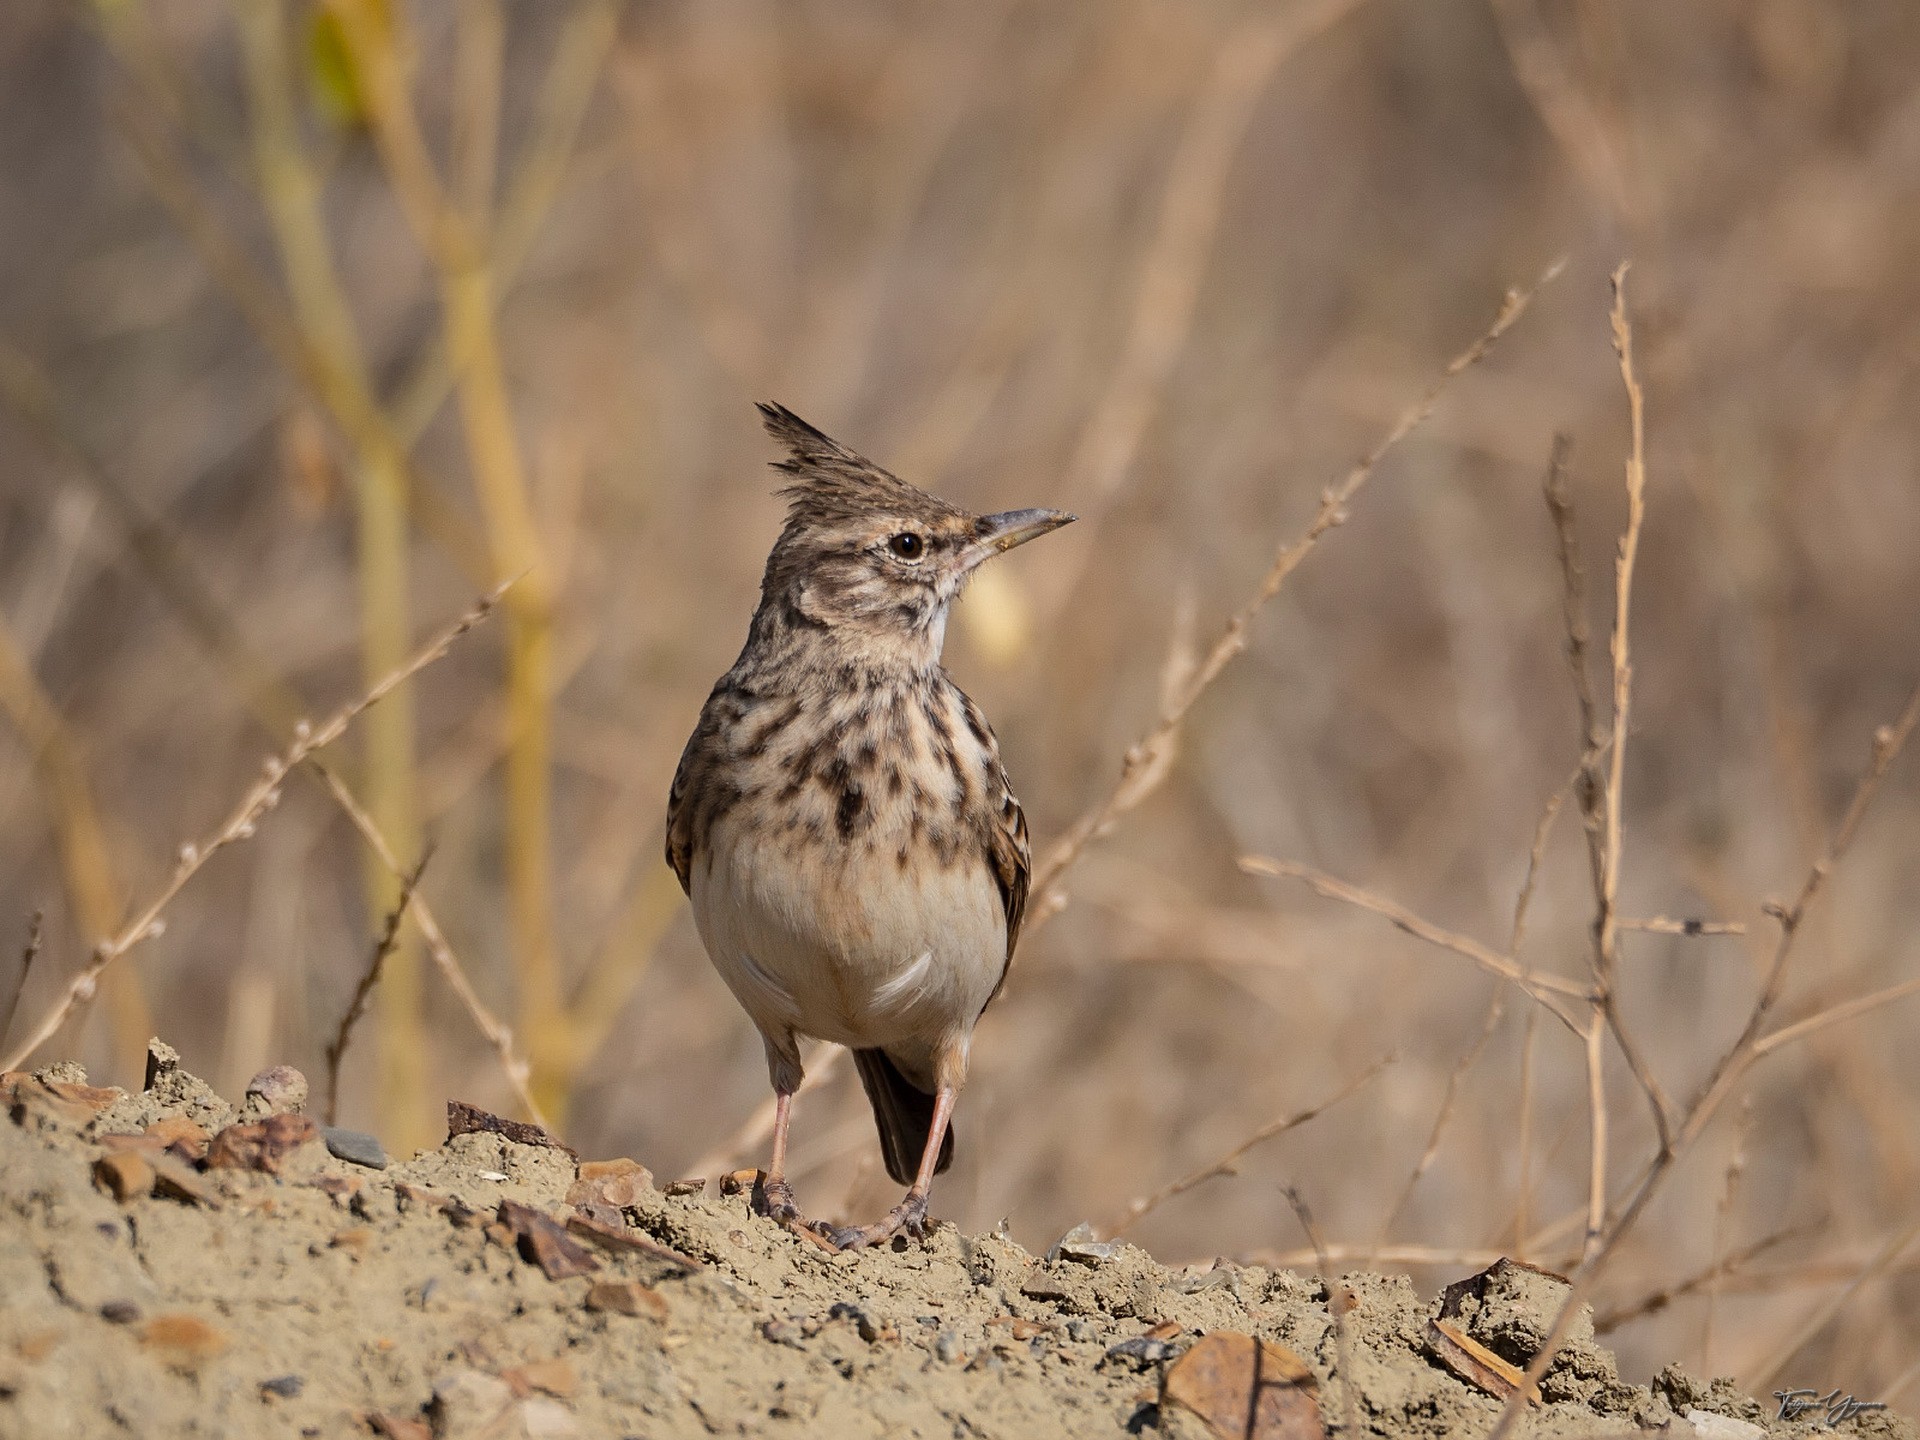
{"x": 272, "y": 1288}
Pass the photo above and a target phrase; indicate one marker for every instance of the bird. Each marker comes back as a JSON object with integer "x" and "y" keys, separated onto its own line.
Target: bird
{"x": 856, "y": 861}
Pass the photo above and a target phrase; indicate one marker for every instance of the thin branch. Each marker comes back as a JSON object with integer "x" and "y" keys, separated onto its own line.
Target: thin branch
{"x": 1536, "y": 853}
{"x": 1664, "y": 925}
{"x": 1706, "y": 1279}
{"x": 1823, "y": 1315}
{"x": 1338, "y": 1304}
{"x": 1147, "y": 760}
{"x": 1722, "y": 1222}
{"x": 1542, "y": 987}
{"x": 1228, "y": 1164}
{"x": 27, "y": 957}
{"x": 239, "y": 825}
{"x": 491, "y": 1027}
{"x": 1888, "y": 742}
{"x": 357, "y": 1005}
{"x": 1495, "y": 1008}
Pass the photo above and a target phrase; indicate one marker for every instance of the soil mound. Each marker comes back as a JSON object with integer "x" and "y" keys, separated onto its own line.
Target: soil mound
{"x": 172, "y": 1264}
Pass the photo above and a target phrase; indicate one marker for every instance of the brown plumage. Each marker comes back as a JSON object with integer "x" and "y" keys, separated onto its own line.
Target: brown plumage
{"x": 840, "y": 818}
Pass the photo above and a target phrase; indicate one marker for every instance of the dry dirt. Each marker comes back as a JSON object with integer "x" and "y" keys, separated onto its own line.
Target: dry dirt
{"x": 281, "y": 1290}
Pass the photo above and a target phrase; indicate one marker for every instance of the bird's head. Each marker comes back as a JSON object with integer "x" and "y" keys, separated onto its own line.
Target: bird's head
{"x": 868, "y": 559}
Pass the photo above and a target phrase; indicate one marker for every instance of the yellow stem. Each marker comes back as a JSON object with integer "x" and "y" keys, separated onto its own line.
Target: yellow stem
{"x": 290, "y": 188}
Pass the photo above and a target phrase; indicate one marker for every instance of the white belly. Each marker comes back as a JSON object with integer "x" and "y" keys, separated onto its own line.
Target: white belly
{"x": 840, "y": 942}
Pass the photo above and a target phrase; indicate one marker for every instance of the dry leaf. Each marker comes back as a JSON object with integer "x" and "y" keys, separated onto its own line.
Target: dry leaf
{"x": 1245, "y": 1389}
{"x": 1474, "y": 1363}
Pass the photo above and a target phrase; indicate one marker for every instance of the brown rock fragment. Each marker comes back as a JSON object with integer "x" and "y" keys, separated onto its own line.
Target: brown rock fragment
{"x": 184, "y": 1137}
{"x": 465, "y": 1119}
{"x": 553, "y": 1377}
{"x": 624, "y": 1238}
{"x": 393, "y": 1427}
{"x": 262, "y": 1145}
{"x": 181, "y": 1181}
{"x": 627, "y": 1297}
{"x": 545, "y": 1243}
{"x": 125, "y": 1176}
{"x": 181, "y": 1340}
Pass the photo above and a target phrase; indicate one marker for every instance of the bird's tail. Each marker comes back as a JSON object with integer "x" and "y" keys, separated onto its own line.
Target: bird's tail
{"x": 904, "y": 1114}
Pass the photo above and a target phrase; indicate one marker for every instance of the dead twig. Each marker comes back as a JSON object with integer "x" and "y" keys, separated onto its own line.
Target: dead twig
{"x": 491, "y": 1027}
{"x": 1147, "y": 760}
{"x": 1495, "y": 1008}
{"x": 27, "y": 956}
{"x": 253, "y": 807}
{"x": 1822, "y": 1316}
{"x": 1707, "y": 1279}
{"x": 1665, "y": 925}
{"x": 1339, "y": 1301}
{"x": 1228, "y": 1164}
{"x": 1544, "y": 988}
{"x": 1747, "y": 1048}
{"x": 356, "y": 1007}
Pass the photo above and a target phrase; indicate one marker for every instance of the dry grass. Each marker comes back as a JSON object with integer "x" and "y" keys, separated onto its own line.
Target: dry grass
{"x": 315, "y": 324}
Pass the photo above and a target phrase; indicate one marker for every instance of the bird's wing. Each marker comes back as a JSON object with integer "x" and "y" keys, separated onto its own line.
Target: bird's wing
{"x": 1009, "y": 856}
{"x": 680, "y": 815}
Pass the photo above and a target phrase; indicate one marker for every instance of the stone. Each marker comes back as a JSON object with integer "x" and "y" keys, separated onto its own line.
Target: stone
{"x": 356, "y": 1147}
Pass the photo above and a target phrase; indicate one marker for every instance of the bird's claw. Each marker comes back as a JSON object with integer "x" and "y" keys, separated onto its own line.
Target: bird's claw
{"x": 909, "y": 1217}
{"x": 773, "y": 1198}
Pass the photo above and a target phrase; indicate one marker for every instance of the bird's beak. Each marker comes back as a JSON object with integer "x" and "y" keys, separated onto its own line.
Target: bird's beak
{"x": 999, "y": 533}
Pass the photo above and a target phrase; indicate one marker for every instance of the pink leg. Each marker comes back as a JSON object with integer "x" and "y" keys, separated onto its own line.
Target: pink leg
{"x": 775, "y": 1197}
{"x": 910, "y": 1215}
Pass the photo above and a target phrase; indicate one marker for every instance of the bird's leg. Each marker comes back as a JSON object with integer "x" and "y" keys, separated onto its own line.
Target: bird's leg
{"x": 910, "y": 1215}
{"x": 773, "y": 1196}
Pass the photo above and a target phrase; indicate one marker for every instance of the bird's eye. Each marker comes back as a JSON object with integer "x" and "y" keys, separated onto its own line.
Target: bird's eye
{"x": 907, "y": 545}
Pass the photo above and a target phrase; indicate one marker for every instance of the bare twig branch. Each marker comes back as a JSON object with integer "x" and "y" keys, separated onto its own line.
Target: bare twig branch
{"x": 28, "y": 955}
{"x": 239, "y": 825}
{"x": 1885, "y": 1257}
{"x": 1145, "y": 765}
{"x": 1706, "y": 1279}
{"x": 1495, "y": 1009}
{"x": 1723, "y": 1216}
{"x": 1748, "y": 1047}
{"x": 1228, "y": 1164}
{"x": 1339, "y": 1302}
{"x": 1665, "y": 925}
{"x": 357, "y": 1005}
{"x": 1542, "y": 987}
{"x": 491, "y": 1027}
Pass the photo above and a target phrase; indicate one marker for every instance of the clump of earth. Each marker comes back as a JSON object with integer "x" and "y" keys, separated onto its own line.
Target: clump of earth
{"x": 175, "y": 1264}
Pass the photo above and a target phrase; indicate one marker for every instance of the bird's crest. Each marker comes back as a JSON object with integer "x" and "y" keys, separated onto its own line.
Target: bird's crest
{"x": 831, "y": 482}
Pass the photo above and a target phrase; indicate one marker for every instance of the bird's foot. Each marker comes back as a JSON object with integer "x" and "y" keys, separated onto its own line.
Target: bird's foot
{"x": 909, "y": 1217}
{"x": 773, "y": 1198}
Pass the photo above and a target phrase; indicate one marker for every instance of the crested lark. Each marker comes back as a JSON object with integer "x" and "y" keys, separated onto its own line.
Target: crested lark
{"x": 840, "y": 818}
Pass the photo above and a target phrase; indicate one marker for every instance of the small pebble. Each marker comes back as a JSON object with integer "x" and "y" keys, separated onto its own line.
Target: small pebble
{"x": 356, "y": 1147}
{"x": 862, "y": 1322}
{"x": 946, "y": 1348}
{"x": 1141, "y": 1348}
{"x": 783, "y": 1332}
{"x": 1082, "y": 1243}
{"x": 285, "y": 1386}
{"x": 120, "y": 1312}
{"x": 1081, "y": 1330}
{"x": 686, "y": 1187}
{"x": 280, "y": 1090}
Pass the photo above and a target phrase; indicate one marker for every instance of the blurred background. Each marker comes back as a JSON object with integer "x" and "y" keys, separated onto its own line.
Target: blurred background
{"x": 316, "y": 321}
